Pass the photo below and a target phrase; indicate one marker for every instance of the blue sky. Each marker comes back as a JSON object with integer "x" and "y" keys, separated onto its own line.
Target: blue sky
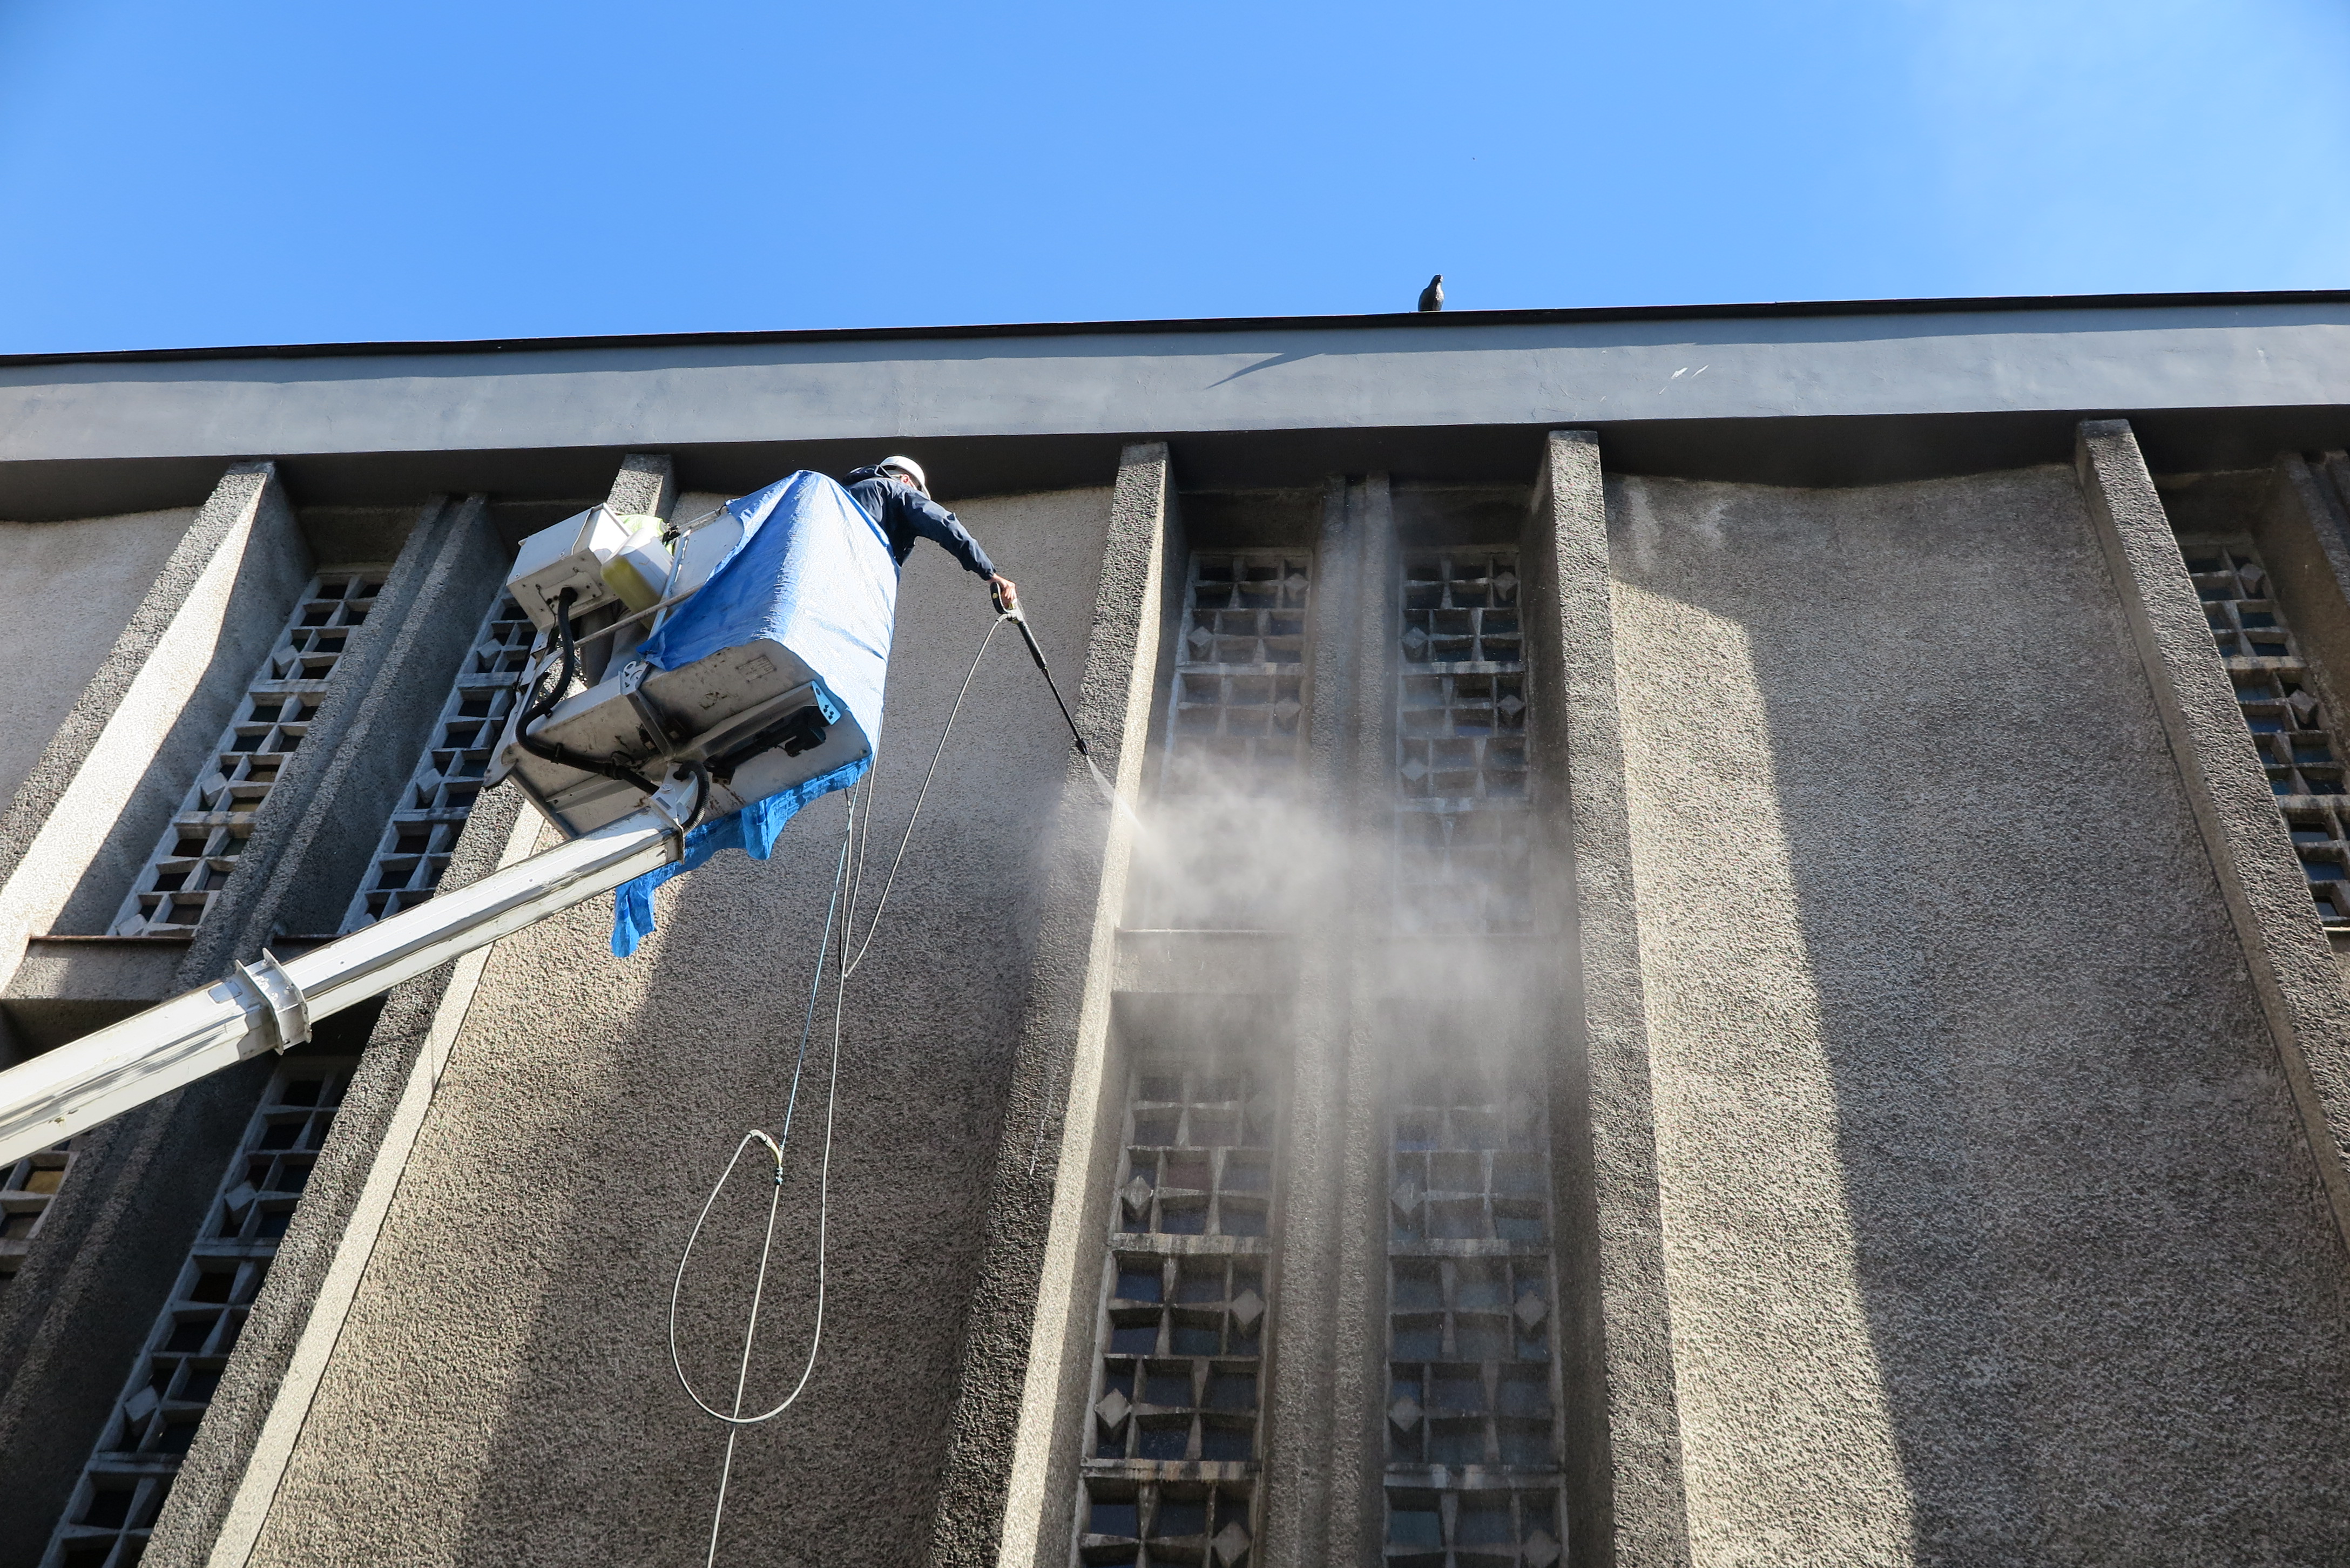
{"x": 261, "y": 172}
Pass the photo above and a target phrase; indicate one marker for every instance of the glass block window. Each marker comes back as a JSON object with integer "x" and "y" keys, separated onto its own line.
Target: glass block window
{"x": 26, "y": 1189}
{"x": 1464, "y": 840}
{"x": 438, "y": 795}
{"x": 123, "y": 1486}
{"x": 193, "y": 860}
{"x": 2289, "y": 726}
{"x": 1471, "y": 1432}
{"x": 1234, "y": 716}
{"x": 1172, "y": 1460}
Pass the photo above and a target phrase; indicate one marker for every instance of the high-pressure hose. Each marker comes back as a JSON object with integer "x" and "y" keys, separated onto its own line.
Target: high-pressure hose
{"x": 1007, "y": 605}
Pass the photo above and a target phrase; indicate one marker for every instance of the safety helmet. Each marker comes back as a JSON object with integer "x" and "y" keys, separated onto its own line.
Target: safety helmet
{"x": 909, "y": 468}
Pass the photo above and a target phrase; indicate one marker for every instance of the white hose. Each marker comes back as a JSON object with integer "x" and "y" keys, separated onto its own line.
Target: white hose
{"x": 849, "y": 875}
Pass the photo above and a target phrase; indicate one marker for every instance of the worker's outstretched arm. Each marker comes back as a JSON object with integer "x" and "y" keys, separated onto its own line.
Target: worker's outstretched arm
{"x": 935, "y": 523}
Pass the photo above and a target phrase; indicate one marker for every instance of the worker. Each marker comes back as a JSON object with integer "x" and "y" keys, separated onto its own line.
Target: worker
{"x": 896, "y": 494}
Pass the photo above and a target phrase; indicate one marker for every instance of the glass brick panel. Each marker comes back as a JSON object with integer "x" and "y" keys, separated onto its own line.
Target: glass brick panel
{"x": 1471, "y": 1432}
{"x": 2289, "y": 726}
{"x": 1171, "y": 1459}
{"x": 439, "y": 794}
{"x": 192, "y": 861}
{"x": 155, "y": 1420}
{"x": 1464, "y": 846}
{"x": 1235, "y": 716}
{"x": 26, "y": 1189}
{"x": 1226, "y": 852}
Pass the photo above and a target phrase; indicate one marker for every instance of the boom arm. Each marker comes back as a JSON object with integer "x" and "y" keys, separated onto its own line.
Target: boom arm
{"x": 271, "y": 1005}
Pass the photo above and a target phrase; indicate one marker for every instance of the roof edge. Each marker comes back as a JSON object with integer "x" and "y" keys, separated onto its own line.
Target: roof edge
{"x": 1783, "y": 309}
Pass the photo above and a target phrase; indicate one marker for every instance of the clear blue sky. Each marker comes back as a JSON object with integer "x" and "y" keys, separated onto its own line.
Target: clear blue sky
{"x": 260, "y": 172}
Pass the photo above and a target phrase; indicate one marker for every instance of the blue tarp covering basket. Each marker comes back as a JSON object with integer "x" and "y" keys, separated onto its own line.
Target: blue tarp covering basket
{"x": 809, "y": 594}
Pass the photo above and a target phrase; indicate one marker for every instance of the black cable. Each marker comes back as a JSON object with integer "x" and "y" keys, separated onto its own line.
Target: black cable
{"x": 543, "y": 701}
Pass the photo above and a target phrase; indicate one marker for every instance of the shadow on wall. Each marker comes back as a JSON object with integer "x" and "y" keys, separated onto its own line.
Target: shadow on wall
{"x": 1990, "y": 1230}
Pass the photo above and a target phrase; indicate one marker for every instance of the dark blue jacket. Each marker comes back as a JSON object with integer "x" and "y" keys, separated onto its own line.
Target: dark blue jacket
{"x": 905, "y": 514}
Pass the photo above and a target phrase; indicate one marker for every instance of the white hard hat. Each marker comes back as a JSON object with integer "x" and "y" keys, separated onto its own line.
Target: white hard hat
{"x": 909, "y": 468}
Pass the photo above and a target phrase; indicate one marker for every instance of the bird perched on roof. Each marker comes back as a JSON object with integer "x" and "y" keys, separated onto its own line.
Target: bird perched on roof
{"x": 1432, "y": 297}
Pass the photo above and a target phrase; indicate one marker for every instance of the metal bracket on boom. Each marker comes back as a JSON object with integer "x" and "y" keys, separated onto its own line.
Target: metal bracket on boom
{"x": 283, "y": 1004}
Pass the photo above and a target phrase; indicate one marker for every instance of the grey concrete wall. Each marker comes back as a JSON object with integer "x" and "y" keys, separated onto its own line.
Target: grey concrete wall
{"x": 113, "y": 1238}
{"x": 1623, "y": 1449}
{"x": 374, "y": 730}
{"x": 323, "y": 787}
{"x": 1990, "y": 1223}
{"x": 140, "y": 722}
{"x": 67, "y": 592}
{"x": 498, "y": 1390}
{"x": 1003, "y": 1492}
{"x": 232, "y": 1473}
{"x": 256, "y": 588}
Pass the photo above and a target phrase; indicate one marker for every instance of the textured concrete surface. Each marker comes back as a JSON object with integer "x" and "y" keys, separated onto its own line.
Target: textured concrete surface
{"x": 130, "y": 713}
{"x": 1989, "y": 1224}
{"x": 67, "y": 590}
{"x": 2284, "y": 948}
{"x": 319, "y": 780}
{"x": 1326, "y": 1374}
{"x": 232, "y": 1473}
{"x": 500, "y": 1392}
{"x": 1623, "y": 1450}
{"x": 376, "y": 730}
{"x": 184, "y": 695}
{"x": 1004, "y": 1491}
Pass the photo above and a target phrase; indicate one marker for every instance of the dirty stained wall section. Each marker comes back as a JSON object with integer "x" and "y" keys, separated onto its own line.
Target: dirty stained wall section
{"x": 1990, "y": 1230}
{"x": 530, "y": 1415}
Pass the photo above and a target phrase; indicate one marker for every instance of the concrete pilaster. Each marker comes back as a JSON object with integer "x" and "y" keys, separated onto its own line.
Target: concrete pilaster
{"x": 646, "y": 483}
{"x": 1004, "y": 1491}
{"x": 284, "y": 846}
{"x": 2284, "y": 946}
{"x": 83, "y": 821}
{"x": 445, "y": 582}
{"x": 1357, "y": 1396}
{"x": 1624, "y": 1497}
{"x": 229, "y": 1478}
{"x": 2334, "y": 467}
{"x": 1310, "y": 1474}
{"x": 76, "y": 833}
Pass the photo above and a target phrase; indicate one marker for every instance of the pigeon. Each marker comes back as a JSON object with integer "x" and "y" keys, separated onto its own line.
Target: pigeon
{"x": 1432, "y": 297}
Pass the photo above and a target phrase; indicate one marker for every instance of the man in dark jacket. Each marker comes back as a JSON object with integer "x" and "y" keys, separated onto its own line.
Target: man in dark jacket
{"x": 896, "y": 494}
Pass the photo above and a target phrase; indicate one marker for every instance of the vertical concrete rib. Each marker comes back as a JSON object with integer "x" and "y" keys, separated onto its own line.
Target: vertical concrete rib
{"x": 230, "y": 1476}
{"x": 1357, "y": 1389}
{"x": 91, "y": 807}
{"x": 426, "y": 615}
{"x": 1625, "y": 1498}
{"x": 2284, "y": 946}
{"x": 238, "y": 924}
{"x": 1302, "y": 1467}
{"x": 646, "y": 483}
{"x": 1004, "y": 1490}
{"x": 2299, "y": 532}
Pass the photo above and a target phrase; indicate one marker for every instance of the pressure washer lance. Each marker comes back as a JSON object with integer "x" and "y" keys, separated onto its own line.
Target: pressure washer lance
{"x": 1007, "y": 605}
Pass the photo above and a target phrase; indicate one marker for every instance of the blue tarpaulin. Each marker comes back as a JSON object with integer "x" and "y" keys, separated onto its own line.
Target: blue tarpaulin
{"x": 813, "y": 572}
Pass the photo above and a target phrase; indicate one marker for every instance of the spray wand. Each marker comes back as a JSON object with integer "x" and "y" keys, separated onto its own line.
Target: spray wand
{"x": 1007, "y": 605}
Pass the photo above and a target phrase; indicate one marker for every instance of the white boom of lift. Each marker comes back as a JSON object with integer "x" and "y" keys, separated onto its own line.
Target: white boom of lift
{"x": 745, "y": 722}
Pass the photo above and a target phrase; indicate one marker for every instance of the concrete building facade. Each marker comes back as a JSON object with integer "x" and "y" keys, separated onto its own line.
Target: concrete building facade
{"x": 1700, "y": 937}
